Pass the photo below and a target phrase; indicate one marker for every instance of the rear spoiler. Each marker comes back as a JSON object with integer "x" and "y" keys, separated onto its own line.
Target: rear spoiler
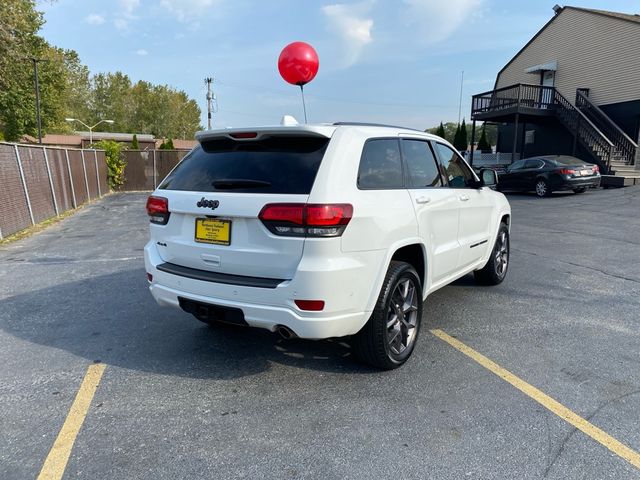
{"x": 256, "y": 133}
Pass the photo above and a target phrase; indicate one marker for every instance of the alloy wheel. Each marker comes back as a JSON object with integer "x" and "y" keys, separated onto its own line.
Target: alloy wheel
{"x": 541, "y": 188}
{"x": 402, "y": 317}
{"x": 501, "y": 254}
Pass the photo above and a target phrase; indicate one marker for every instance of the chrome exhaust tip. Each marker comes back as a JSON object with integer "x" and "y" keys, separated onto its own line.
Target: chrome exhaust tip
{"x": 286, "y": 332}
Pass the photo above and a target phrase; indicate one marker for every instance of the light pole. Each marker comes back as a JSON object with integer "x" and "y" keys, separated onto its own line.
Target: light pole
{"x": 90, "y": 128}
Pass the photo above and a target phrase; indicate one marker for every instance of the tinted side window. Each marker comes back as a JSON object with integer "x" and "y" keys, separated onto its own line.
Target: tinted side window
{"x": 276, "y": 164}
{"x": 421, "y": 164}
{"x": 517, "y": 165}
{"x": 380, "y": 165}
{"x": 533, "y": 163}
{"x": 453, "y": 167}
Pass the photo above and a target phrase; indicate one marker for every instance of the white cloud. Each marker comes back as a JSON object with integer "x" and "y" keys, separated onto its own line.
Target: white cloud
{"x": 142, "y": 52}
{"x": 187, "y": 10}
{"x": 129, "y": 6}
{"x": 349, "y": 21}
{"x": 121, "y": 23}
{"x": 439, "y": 20}
{"x": 94, "y": 19}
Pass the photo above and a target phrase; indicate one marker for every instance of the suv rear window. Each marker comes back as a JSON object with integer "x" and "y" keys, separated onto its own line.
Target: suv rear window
{"x": 275, "y": 164}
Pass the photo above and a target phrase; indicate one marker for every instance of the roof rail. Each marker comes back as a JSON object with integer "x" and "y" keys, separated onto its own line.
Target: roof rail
{"x": 366, "y": 124}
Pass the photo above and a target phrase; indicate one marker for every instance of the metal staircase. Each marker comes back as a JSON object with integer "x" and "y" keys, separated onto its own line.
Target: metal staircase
{"x": 616, "y": 153}
{"x": 623, "y": 163}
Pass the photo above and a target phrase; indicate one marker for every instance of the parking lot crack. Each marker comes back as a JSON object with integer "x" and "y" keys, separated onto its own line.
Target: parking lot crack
{"x": 613, "y": 275}
{"x": 573, "y": 430}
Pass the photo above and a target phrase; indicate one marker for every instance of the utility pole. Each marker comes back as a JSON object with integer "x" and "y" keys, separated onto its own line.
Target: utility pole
{"x": 35, "y": 76}
{"x": 460, "y": 104}
{"x": 208, "y": 81}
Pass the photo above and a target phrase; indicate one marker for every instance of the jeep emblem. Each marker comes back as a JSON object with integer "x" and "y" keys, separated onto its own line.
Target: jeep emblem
{"x": 204, "y": 203}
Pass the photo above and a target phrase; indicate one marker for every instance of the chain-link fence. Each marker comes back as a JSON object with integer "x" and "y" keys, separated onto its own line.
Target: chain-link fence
{"x": 38, "y": 182}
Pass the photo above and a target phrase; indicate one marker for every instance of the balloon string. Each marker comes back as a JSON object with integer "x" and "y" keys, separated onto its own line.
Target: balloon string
{"x": 304, "y": 106}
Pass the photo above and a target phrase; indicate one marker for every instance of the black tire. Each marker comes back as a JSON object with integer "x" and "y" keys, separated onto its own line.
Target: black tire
{"x": 495, "y": 271}
{"x": 580, "y": 190}
{"x": 373, "y": 344}
{"x": 542, "y": 188}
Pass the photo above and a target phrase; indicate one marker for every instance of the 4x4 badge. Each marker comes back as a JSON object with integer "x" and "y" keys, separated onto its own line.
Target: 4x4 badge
{"x": 204, "y": 203}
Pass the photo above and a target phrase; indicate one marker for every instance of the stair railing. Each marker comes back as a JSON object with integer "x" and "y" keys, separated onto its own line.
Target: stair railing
{"x": 584, "y": 129}
{"x": 626, "y": 147}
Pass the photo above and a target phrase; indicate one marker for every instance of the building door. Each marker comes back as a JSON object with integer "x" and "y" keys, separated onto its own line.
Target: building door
{"x": 547, "y": 79}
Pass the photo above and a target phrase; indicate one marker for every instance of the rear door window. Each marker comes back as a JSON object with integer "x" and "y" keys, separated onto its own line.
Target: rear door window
{"x": 380, "y": 165}
{"x": 535, "y": 163}
{"x": 275, "y": 164}
{"x": 422, "y": 168}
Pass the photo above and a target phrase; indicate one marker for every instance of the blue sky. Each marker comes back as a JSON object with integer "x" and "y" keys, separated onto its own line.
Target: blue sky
{"x": 382, "y": 61}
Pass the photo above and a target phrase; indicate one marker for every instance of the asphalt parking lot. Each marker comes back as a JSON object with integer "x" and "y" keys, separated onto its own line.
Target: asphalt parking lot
{"x": 180, "y": 400}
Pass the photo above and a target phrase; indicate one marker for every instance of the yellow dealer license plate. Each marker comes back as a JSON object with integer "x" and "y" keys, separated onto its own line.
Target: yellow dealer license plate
{"x": 211, "y": 230}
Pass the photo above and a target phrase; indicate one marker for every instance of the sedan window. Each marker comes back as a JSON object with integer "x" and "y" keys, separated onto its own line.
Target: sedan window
{"x": 535, "y": 163}
{"x": 517, "y": 165}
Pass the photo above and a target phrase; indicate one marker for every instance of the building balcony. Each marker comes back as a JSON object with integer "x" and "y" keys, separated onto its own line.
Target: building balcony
{"x": 502, "y": 104}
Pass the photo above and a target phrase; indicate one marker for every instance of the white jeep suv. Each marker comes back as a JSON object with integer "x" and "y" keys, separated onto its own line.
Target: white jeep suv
{"x": 321, "y": 231}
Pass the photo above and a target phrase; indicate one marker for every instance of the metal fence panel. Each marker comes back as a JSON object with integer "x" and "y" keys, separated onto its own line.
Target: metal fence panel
{"x": 60, "y": 178}
{"x": 166, "y": 160}
{"x": 77, "y": 174}
{"x": 92, "y": 180}
{"x": 37, "y": 179}
{"x": 14, "y": 213}
{"x": 102, "y": 172}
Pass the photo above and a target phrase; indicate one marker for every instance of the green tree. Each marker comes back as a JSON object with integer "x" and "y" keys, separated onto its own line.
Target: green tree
{"x": 457, "y": 138}
{"x": 78, "y": 95}
{"x": 115, "y": 159}
{"x": 483, "y": 144}
{"x": 440, "y": 131}
{"x": 134, "y": 143}
{"x": 464, "y": 138}
{"x": 111, "y": 101}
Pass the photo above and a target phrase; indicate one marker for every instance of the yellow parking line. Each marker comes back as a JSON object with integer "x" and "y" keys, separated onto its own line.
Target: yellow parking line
{"x": 546, "y": 401}
{"x": 58, "y": 457}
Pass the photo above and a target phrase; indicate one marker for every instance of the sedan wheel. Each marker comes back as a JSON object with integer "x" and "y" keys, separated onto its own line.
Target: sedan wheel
{"x": 542, "y": 189}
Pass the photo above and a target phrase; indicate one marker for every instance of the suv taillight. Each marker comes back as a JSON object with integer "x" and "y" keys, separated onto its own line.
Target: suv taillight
{"x": 158, "y": 210}
{"x": 306, "y": 220}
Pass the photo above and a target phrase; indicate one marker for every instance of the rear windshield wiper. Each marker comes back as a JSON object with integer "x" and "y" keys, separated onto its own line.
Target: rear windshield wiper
{"x": 232, "y": 183}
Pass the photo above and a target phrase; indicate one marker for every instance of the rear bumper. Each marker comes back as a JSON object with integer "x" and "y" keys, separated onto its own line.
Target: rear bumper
{"x": 573, "y": 183}
{"x": 339, "y": 285}
{"x": 269, "y": 317}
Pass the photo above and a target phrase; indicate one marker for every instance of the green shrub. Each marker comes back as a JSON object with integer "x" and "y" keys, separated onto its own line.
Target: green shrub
{"x": 167, "y": 145}
{"x": 115, "y": 161}
{"x": 134, "y": 143}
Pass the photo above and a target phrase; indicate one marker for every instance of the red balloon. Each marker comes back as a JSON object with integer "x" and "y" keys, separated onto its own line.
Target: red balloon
{"x": 298, "y": 63}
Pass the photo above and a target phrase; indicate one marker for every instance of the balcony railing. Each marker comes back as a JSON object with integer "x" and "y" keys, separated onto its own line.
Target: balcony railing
{"x": 521, "y": 95}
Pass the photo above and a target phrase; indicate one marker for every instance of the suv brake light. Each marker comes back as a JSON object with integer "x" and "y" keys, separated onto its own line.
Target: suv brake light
{"x": 306, "y": 220}
{"x": 158, "y": 210}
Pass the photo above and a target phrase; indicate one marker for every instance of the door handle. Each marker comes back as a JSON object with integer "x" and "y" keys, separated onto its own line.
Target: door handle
{"x": 423, "y": 199}
{"x": 464, "y": 197}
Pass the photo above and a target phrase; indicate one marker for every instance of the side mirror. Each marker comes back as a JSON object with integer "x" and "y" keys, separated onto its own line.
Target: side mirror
{"x": 488, "y": 177}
